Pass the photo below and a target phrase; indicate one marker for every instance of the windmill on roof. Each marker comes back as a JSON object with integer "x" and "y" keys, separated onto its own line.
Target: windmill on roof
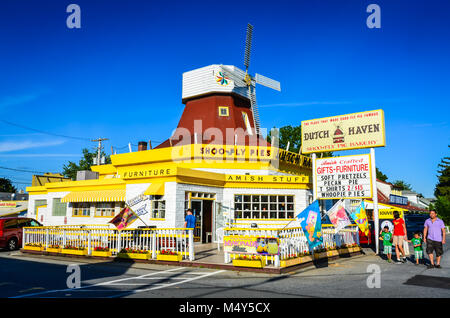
{"x": 249, "y": 81}
{"x": 221, "y": 97}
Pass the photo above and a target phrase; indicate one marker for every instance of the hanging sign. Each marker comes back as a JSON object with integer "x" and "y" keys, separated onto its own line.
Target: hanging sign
{"x": 347, "y": 177}
{"x": 344, "y": 132}
{"x": 140, "y": 204}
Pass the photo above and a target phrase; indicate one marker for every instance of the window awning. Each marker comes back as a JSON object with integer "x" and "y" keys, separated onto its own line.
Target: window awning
{"x": 155, "y": 189}
{"x": 114, "y": 195}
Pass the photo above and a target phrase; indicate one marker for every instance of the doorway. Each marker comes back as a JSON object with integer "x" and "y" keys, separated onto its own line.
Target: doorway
{"x": 203, "y": 211}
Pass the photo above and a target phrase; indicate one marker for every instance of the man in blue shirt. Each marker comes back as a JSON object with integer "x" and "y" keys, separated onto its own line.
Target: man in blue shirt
{"x": 190, "y": 220}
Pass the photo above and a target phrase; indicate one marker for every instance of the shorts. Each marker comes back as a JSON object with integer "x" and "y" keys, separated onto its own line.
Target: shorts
{"x": 418, "y": 254}
{"x": 387, "y": 249}
{"x": 434, "y": 246}
{"x": 398, "y": 240}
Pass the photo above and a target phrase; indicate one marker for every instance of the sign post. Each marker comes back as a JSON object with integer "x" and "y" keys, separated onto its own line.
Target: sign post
{"x": 345, "y": 177}
{"x": 314, "y": 176}
{"x": 375, "y": 201}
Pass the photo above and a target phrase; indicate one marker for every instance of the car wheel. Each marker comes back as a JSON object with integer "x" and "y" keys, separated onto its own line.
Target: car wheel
{"x": 12, "y": 244}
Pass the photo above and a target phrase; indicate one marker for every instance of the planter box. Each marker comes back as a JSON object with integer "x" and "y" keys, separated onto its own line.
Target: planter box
{"x": 74, "y": 252}
{"x": 170, "y": 258}
{"x": 296, "y": 261}
{"x": 248, "y": 263}
{"x": 134, "y": 255}
{"x": 320, "y": 255}
{"x": 34, "y": 248}
{"x": 355, "y": 249}
{"x": 101, "y": 253}
{"x": 332, "y": 253}
{"x": 53, "y": 250}
{"x": 344, "y": 250}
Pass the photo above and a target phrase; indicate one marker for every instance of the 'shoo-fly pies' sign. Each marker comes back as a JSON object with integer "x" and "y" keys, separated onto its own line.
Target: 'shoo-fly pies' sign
{"x": 343, "y": 177}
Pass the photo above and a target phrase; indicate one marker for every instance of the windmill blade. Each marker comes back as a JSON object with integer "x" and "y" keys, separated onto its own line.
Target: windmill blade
{"x": 248, "y": 45}
{"x": 268, "y": 82}
{"x": 255, "y": 110}
{"x": 237, "y": 78}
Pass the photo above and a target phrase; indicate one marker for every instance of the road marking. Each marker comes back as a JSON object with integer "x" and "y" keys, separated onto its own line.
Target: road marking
{"x": 166, "y": 285}
{"x": 95, "y": 285}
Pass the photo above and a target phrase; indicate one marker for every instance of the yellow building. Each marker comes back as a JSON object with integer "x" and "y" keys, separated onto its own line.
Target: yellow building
{"x": 242, "y": 177}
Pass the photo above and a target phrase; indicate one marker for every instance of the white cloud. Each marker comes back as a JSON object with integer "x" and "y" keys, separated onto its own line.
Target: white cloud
{"x": 39, "y": 155}
{"x": 7, "y": 146}
{"x": 299, "y": 104}
{"x": 17, "y": 100}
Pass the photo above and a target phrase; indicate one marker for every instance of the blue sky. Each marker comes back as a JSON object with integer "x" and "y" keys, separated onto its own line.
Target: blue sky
{"x": 119, "y": 76}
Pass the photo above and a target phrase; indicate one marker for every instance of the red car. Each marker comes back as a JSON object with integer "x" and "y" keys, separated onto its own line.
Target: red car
{"x": 11, "y": 231}
{"x": 368, "y": 240}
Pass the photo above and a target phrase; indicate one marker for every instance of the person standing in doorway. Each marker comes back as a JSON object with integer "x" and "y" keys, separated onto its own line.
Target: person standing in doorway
{"x": 399, "y": 237}
{"x": 189, "y": 221}
{"x": 434, "y": 237}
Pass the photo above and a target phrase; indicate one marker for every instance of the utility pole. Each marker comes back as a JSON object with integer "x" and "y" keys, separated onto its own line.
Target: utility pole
{"x": 99, "y": 148}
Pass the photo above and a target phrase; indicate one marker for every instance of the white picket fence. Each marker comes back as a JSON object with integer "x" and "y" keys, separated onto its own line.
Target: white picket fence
{"x": 292, "y": 241}
{"x": 152, "y": 240}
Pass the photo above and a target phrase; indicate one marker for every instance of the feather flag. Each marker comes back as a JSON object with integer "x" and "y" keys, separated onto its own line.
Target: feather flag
{"x": 311, "y": 223}
{"x": 124, "y": 218}
{"x": 338, "y": 216}
{"x": 360, "y": 218}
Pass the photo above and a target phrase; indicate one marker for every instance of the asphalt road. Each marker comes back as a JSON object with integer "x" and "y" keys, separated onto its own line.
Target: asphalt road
{"x": 25, "y": 276}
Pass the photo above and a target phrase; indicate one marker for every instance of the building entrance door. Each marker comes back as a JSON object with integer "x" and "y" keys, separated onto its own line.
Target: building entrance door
{"x": 203, "y": 211}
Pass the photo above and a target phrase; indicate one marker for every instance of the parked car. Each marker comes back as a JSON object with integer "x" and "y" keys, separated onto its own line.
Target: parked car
{"x": 11, "y": 231}
{"x": 368, "y": 240}
{"x": 415, "y": 223}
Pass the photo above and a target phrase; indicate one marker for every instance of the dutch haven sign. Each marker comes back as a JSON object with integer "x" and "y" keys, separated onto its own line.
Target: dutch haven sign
{"x": 344, "y": 132}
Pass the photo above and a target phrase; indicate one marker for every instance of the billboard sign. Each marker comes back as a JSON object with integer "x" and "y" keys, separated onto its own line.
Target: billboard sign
{"x": 397, "y": 199}
{"x": 346, "y": 177}
{"x": 344, "y": 132}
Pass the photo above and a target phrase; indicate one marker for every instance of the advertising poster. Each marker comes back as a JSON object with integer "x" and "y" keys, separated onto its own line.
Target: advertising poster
{"x": 346, "y": 177}
{"x": 251, "y": 245}
{"x": 344, "y": 132}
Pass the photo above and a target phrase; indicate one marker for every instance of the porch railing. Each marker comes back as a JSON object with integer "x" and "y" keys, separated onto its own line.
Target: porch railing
{"x": 152, "y": 240}
{"x": 292, "y": 241}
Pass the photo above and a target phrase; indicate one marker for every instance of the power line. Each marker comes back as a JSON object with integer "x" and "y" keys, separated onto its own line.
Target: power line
{"x": 21, "y": 170}
{"x": 44, "y": 132}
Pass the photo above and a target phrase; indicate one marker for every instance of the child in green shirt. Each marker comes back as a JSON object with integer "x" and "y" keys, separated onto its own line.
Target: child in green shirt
{"x": 386, "y": 237}
{"x": 417, "y": 243}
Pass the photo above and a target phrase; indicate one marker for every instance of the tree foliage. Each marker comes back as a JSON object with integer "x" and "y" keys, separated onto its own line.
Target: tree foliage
{"x": 381, "y": 176}
{"x": 443, "y": 185}
{"x": 293, "y": 136}
{"x": 442, "y": 190}
{"x": 85, "y": 163}
{"x": 6, "y": 186}
{"x": 402, "y": 185}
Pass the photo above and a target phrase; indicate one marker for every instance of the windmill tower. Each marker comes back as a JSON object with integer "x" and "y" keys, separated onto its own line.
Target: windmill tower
{"x": 249, "y": 81}
{"x": 221, "y": 97}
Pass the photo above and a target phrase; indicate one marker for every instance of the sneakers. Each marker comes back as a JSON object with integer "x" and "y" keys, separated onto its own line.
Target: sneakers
{"x": 389, "y": 261}
{"x": 403, "y": 260}
{"x": 430, "y": 266}
{"x": 437, "y": 266}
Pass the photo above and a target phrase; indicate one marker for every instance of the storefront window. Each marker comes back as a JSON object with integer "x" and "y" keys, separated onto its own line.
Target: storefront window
{"x": 158, "y": 207}
{"x": 81, "y": 209}
{"x": 264, "y": 206}
{"x": 104, "y": 209}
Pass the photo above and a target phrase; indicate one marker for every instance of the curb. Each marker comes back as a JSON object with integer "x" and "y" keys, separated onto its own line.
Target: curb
{"x": 266, "y": 270}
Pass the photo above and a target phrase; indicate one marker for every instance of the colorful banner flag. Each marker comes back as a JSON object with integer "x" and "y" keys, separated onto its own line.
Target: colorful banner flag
{"x": 311, "y": 223}
{"x": 360, "y": 218}
{"x": 338, "y": 216}
{"x": 124, "y": 218}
